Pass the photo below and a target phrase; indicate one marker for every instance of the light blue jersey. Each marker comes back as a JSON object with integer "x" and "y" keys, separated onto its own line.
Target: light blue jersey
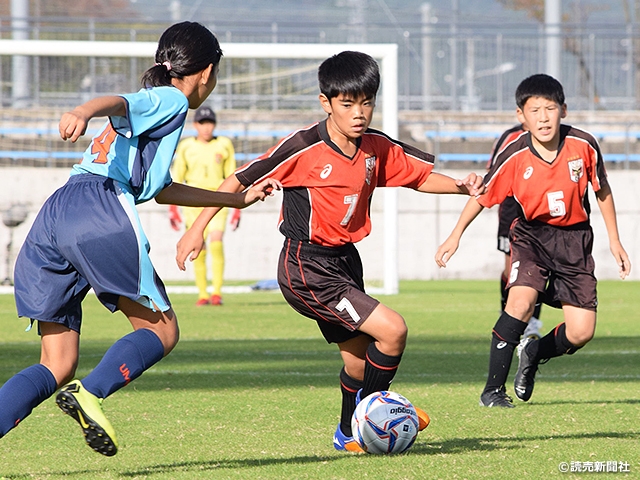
{"x": 88, "y": 233}
{"x": 136, "y": 150}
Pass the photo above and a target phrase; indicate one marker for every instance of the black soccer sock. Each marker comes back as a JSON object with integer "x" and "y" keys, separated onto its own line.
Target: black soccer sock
{"x": 379, "y": 370}
{"x": 553, "y": 344}
{"x": 504, "y": 293}
{"x": 536, "y": 311}
{"x": 506, "y": 336}
{"x": 349, "y": 387}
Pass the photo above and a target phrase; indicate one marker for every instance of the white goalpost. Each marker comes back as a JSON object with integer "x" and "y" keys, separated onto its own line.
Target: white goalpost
{"x": 386, "y": 54}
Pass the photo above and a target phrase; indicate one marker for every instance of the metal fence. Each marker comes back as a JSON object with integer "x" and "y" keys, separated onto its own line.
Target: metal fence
{"x": 443, "y": 66}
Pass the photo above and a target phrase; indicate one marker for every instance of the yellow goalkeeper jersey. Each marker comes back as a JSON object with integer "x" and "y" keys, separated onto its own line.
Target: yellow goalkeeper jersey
{"x": 203, "y": 165}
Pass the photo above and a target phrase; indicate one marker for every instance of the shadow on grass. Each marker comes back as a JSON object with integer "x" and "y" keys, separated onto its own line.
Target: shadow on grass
{"x": 623, "y": 401}
{"x": 225, "y": 464}
{"x": 452, "y": 446}
{"x": 187, "y": 466}
{"x": 250, "y": 363}
{"x": 488, "y": 444}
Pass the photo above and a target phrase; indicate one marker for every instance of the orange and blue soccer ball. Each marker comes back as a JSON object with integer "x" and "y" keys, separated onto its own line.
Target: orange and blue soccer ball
{"x": 385, "y": 422}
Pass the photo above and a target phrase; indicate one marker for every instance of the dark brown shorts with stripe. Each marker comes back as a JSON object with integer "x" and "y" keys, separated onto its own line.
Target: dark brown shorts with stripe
{"x": 326, "y": 284}
{"x": 556, "y": 262}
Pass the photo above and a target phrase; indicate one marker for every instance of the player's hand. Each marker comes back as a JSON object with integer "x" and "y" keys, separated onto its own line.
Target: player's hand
{"x": 472, "y": 183}
{"x": 234, "y": 219}
{"x": 261, "y": 190}
{"x": 446, "y": 251}
{"x": 622, "y": 259}
{"x": 174, "y": 217}
{"x": 72, "y": 125}
{"x": 189, "y": 246}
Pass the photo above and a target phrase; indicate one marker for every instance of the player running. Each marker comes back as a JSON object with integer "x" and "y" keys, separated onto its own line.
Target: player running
{"x": 548, "y": 171}
{"x": 329, "y": 171}
{"x": 88, "y": 236}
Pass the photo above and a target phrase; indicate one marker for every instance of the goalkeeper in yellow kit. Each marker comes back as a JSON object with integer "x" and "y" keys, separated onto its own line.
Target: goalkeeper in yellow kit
{"x": 205, "y": 161}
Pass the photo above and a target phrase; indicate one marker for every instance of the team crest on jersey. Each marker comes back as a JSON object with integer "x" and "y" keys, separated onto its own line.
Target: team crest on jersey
{"x": 370, "y": 166}
{"x": 576, "y": 169}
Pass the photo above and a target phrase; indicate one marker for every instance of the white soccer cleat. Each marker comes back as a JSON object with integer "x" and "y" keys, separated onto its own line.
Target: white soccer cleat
{"x": 533, "y": 329}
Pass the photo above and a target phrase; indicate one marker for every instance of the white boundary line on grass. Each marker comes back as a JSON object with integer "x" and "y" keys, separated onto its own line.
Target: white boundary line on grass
{"x": 191, "y": 289}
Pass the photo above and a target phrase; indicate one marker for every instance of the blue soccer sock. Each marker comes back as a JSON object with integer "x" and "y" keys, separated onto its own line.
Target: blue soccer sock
{"x": 22, "y": 393}
{"x": 123, "y": 362}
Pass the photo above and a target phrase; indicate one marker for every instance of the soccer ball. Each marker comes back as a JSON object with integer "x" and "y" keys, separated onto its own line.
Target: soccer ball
{"x": 385, "y": 422}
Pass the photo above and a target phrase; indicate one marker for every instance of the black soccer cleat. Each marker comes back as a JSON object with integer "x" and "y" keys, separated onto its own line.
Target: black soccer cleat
{"x": 496, "y": 398}
{"x": 526, "y": 374}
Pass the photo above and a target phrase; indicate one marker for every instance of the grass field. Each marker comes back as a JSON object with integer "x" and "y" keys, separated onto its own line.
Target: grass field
{"x": 251, "y": 392}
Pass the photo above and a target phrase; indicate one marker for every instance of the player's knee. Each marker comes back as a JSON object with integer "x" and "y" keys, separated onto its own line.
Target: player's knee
{"x": 63, "y": 371}
{"x": 170, "y": 340}
{"x": 519, "y": 308}
{"x": 398, "y": 333}
{"x": 168, "y": 333}
{"x": 581, "y": 337}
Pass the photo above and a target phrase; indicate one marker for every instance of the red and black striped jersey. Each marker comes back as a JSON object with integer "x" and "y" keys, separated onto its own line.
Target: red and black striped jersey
{"x": 326, "y": 194}
{"x": 554, "y": 193}
{"x": 505, "y": 139}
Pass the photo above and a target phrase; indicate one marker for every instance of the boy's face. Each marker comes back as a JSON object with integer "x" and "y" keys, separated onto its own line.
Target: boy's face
{"x": 349, "y": 116}
{"x": 542, "y": 117}
{"x": 205, "y": 130}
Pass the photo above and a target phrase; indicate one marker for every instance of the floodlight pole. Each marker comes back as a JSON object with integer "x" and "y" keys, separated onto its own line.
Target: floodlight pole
{"x": 552, "y": 20}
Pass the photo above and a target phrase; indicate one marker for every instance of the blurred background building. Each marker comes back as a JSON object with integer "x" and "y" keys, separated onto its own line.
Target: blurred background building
{"x": 453, "y": 54}
{"x": 459, "y": 62}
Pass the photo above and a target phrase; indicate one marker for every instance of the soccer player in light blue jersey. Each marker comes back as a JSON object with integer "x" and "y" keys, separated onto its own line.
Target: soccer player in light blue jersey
{"x": 88, "y": 235}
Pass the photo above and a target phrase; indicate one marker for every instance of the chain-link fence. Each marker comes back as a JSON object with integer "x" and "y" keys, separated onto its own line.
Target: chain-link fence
{"x": 443, "y": 66}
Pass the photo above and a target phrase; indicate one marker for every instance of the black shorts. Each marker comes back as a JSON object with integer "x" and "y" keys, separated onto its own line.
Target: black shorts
{"x": 556, "y": 261}
{"x": 508, "y": 211}
{"x": 326, "y": 284}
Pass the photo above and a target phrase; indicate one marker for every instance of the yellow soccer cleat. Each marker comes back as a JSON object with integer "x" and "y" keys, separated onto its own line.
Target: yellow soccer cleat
{"x": 86, "y": 409}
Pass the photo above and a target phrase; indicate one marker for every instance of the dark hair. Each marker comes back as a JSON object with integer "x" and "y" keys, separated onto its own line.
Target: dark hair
{"x": 183, "y": 49}
{"x": 539, "y": 85}
{"x": 349, "y": 73}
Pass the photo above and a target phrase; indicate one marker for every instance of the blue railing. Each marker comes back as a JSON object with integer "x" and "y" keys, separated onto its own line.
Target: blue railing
{"x": 436, "y": 135}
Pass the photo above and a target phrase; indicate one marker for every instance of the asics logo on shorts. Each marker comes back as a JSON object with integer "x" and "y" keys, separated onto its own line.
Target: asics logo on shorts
{"x": 501, "y": 345}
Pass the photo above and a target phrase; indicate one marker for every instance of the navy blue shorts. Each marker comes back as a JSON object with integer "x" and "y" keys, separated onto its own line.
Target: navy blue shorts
{"x": 326, "y": 284}
{"x": 86, "y": 235}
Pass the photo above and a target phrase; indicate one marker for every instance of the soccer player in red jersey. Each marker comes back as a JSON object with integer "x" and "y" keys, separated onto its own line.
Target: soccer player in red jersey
{"x": 508, "y": 211}
{"x": 329, "y": 171}
{"x": 547, "y": 171}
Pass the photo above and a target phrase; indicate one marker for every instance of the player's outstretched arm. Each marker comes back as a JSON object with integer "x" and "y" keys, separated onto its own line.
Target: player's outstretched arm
{"x": 192, "y": 242}
{"x": 188, "y": 196}
{"x": 439, "y": 183}
{"x": 73, "y": 124}
{"x": 260, "y": 191}
{"x": 445, "y": 251}
{"x": 608, "y": 209}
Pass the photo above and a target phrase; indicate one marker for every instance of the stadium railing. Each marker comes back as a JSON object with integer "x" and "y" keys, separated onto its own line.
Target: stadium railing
{"x": 274, "y": 135}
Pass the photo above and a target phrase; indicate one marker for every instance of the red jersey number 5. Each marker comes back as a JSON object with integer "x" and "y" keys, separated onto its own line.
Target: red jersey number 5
{"x": 557, "y": 207}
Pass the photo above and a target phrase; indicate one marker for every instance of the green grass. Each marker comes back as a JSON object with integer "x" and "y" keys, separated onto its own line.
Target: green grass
{"x": 251, "y": 392}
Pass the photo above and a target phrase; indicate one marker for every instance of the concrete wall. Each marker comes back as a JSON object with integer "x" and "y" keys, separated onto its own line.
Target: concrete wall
{"x": 424, "y": 221}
